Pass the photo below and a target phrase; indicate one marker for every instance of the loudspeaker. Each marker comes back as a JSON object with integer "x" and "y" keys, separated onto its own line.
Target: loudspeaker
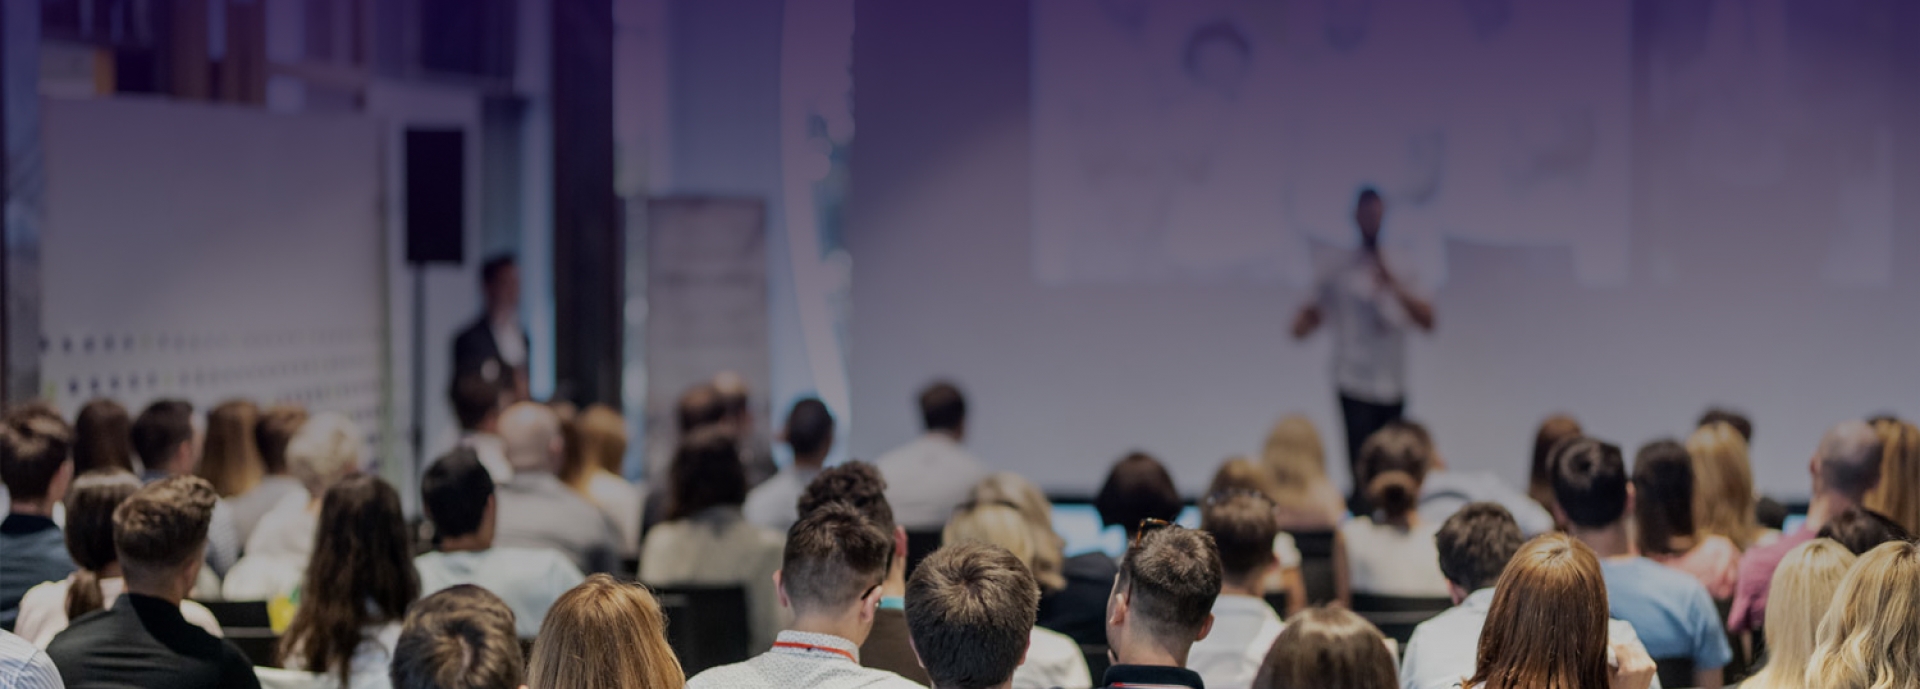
{"x": 436, "y": 166}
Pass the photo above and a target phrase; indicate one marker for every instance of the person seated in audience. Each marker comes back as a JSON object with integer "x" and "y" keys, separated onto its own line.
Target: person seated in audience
{"x": 831, "y": 577}
{"x": 1162, "y": 602}
{"x": 327, "y": 449}
{"x": 605, "y": 633}
{"x": 22, "y": 666}
{"x": 459, "y": 638}
{"x": 1672, "y": 613}
{"x": 858, "y": 485}
{"x": 1052, "y": 659}
{"x": 596, "y": 450}
{"x": 1244, "y": 625}
{"x": 36, "y": 463}
{"x": 756, "y": 449}
{"x": 271, "y": 434}
{"x": 1723, "y": 495}
{"x": 706, "y": 540}
{"x": 1475, "y": 545}
{"x": 1391, "y": 553}
{"x": 809, "y": 433}
{"x": 1296, "y": 459}
{"x": 1861, "y": 529}
{"x": 1665, "y": 530}
{"x": 1070, "y": 588}
{"x": 102, "y": 437}
{"x": 1547, "y": 626}
{"x": 1553, "y": 431}
{"x": 1844, "y": 469}
{"x": 143, "y": 640}
{"x": 1803, "y": 589}
{"x": 97, "y": 583}
{"x": 357, "y": 587}
{"x": 163, "y": 437}
{"x": 536, "y": 509}
{"x": 477, "y": 407}
{"x": 699, "y": 407}
{"x": 1444, "y": 491}
{"x": 1867, "y": 637}
{"x": 229, "y": 457}
{"x": 1240, "y": 475}
{"x": 458, "y": 498}
{"x": 971, "y": 608}
{"x": 1898, "y": 494}
{"x": 1327, "y": 647}
{"x": 931, "y": 475}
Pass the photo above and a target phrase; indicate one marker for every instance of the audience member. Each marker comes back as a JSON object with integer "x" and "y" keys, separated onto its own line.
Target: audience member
{"x": 971, "y": 607}
{"x": 1898, "y": 494}
{"x": 596, "y": 452}
{"x": 1844, "y": 469}
{"x": 97, "y": 583}
{"x": 36, "y": 464}
{"x": 536, "y": 509}
{"x": 271, "y": 435}
{"x": 1861, "y": 529}
{"x": 357, "y": 587}
{"x": 327, "y": 449}
{"x": 1241, "y": 475}
{"x": 1801, "y": 593}
{"x": 229, "y": 457}
{"x": 809, "y": 433}
{"x": 1052, "y": 659}
{"x": 1733, "y": 419}
{"x": 22, "y": 666}
{"x": 928, "y": 477}
{"x": 1162, "y": 603}
{"x": 1723, "y": 494}
{"x": 1244, "y": 625}
{"x": 1672, "y": 613}
{"x": 1866, "y": 639}
{"x": 756, "y": 449}
{"x": 1554, "y": 430}
{"x": 831, "y": 576}
{"x": 858, "y": 485}
{"x": 706, "y": 540}
{"x": 477, "y": 404}
{"x": 102, "y": 433}
{"x": 1444, "y": 491}
{"x": 1327, "y": 648}
{"x": 1137, "y": 489}
{"x": 458, "y": 498}
{"x": 1666, "y": 531}
{"x": 459, "y": 638}
{"x": 163, "y": 437}
{"x": 605, "y": 633}
{"x": 1547, "y": 624}
{"x": 1297, "y": 461}
{"x": 495, "y": 346}
{"x": 160, "y": 534}
{"x": 698, "y": 408}
{"x": 1073, "y": 591}
{"x": 1391, "y": 552}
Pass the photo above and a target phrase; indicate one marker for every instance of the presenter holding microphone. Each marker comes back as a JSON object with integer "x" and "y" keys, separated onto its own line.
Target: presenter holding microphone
{"x": 1371, "y": 304}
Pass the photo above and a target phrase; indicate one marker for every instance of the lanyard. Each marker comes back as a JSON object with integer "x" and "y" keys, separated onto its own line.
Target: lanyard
{"x": 811, "y": 647}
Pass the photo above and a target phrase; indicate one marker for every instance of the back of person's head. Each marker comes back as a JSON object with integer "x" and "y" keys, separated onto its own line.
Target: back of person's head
{"x": 1732, "y": 418}
{"x": 855, "y": 484}
{"x": 1553, "y": 430}
{"x": 809, "y": 429}
{"x": 459, "y": 638}
{"x": 475, "y": 399}
{"x": 454, "y": 493}
{"x": 1241, "y": 475}
{"x": 326, "y": 449}
{"x": 1802, "y": 591}
{"x": 230, "y": 456}
{"x": 699, "y": 406}
{"x": 1723, "y": 495}
{"x": 835, "y": 558}
{"x": 970, "y": 613}
{"x": 1011, "y": 489}
{"x": 89, "y": 532}
{"x": 1296, "y": 459}
{"x": 1898, "y": 493}
{"x": 36, "y": 451}
{"x": 1393, "y": 463}
{"x": 102, "y": 437}
{"x": 1547, "y": 627}
{"x": 530, "y": 436}
{"x": 1170, "y": 577}
{"x": 706, "y": 473}
{"x": 1138, "y": 488}
{"x": 1475, "y": 545}
{"x": 160, "y": 430}
{"x": 993, "y": 523}
{"x": 1327, "y": 648}
{"x": 1867, "y": 638}
{"x": 1590, "y": 482}
{"x": 495, "y": 268}
{"x": 1861, "y": 529}
{"x": 596, "y": 441}
{"x": 1849, "y": 460}
{"x": 943, "y": 407}
{"x": 361, "y": 573}
{"x": 604, "y": 633}
{"x": 1243, "y": 527}
{"x": 162, "y": 529}
{"x": 1663, "y": 497}
{"x": 736, "y": 396}
{"x": 276, "y": 428}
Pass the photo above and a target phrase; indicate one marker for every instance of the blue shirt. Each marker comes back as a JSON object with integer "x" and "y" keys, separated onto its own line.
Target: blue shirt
{"x": 1669, "y": 609}
{"x": 24, "y": 667}
{"x": 34, "y": 552}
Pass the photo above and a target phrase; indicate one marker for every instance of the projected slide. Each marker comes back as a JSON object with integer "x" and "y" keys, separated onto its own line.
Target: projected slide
{"x": 1221, "y": 140}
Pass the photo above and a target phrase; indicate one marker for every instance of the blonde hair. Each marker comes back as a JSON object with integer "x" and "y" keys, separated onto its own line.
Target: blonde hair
{"x": 992, "y": 524}
{"x": 327, "y": 448}
{"x": 1239, "y": 474}
{"x": 1723, "y": 496}
{"x": 230, "y": 459}
{"x": 596, "y": 440}
{"x": 1802, "y": 591}
{"x": 1049, "y": 557}
{"x": 1867, "y": 638}
{"x": 1297, "y": 462}
{"x": 604, "y": 633}
{"x": 1898, "y": 494}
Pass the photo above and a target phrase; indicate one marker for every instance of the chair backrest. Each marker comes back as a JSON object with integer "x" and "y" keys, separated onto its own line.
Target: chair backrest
{"x": 1674, "y": 673}
{"x": 1097, "y": 662}
{"x": 1278, "y": 601}
{"x": 248, "y": 626}
{"x": 706, "y": 625}
{"x": 1317, "y": 571}
{"x": 920, "y": 544}
{"x": 1396, "y": 616}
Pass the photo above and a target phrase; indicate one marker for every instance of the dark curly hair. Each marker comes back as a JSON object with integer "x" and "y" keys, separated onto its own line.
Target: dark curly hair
{"x": 856, "y": 484}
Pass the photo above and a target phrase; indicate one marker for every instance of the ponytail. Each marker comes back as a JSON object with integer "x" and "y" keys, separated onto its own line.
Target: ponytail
{"x": 83, "y": 594}
{"x": 1395, "y": 492}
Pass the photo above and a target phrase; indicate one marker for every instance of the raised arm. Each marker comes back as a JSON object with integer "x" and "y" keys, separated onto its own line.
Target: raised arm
{"x": 1307, "y": 321}
{"x": 1417, "y": 307}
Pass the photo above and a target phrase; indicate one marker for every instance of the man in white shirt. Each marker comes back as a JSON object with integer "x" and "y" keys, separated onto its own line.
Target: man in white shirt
{"x": 830, "y": 577}
{"x": 809, "y": 432}
{"x": 1244, "y": 626}
{"x": 457, "y": 495}
{"x": 1370, "y": 306}
{"x": 930, "y": 476}
{"x": 164, "y": 438}
{"x": 537, "y": 510}
{"x": 970, "y": 609}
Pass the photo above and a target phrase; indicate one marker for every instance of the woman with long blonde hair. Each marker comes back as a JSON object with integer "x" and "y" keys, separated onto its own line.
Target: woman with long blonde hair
{"x": 1049, "y": 556}
{"x": 1867, "y": 640}
{"x": 230, "y": 459}
{"x": 1723, "y": 495}
{"x": 604, "y": 633}
{"x": 595, "y": 454}
{"x": 1297, "y": 462}
{"x": 1802, "y": 591}
{"x": 1898, "y": 495}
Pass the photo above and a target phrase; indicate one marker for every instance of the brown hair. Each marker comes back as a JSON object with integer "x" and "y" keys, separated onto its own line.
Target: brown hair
{"x": 1898, "y": 493}
{"x": 102, "y": 437}
{"x": 834, "y": 555}
{"x": 706, "y": 472}
{"x": 1723, "y": 494}
{"x": 1171, "y": 577}
{"x": 1393, "y": 463}
{"x": 858, "y": 485}
{"x": 1663, "y": 499}
{"x": 1243, "y": 528}
{"x": 1547, "y": 627}
{"x": 604, "y": 633}
{"x": 1867, "y": 637}
{"x": 34, "y": 445}
{"x": 361, "y": 573}
{"x": 230, "y": 459}
{"x": 1327, "y": 648}
{"x": 1239, "y": 474}
{"x": 1476, "y": 543}
{"x": 162, "y": 527}
{"x": 970, "y": 612}
{"x": 1553, "y": 431}
{"x": 596, "y": 441}
{"x": 459, "y": 638}
{"x": 274, "y": 431}
{"x": 89, "y": 532}
{"x": 1137, "y": 488}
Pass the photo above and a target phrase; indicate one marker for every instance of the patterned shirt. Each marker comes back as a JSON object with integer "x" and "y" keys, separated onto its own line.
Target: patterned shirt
{"x": 24, "y": 667}
{"x": 800, "y": 659}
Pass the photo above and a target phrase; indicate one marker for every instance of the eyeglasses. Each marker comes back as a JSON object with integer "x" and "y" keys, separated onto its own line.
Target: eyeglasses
{"x": 1147, "y": 526}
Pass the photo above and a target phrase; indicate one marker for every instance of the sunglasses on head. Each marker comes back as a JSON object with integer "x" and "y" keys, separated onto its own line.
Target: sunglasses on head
{"x": 1150, "y": 525}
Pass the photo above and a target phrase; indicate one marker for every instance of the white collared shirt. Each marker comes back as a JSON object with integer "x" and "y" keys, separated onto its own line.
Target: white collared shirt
{"x": 927, "y": 478}
{"x": 800, "y": 659}
{"x": 1443, "y": 650}
{"x": 528, "y": 580}
{"x": 1369, "y": 326}
{"x": 1244, "y": 628}
{"x": 1054, "y": 661}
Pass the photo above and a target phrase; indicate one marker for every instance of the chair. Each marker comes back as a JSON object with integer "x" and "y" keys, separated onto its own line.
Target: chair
{"x": 1097, "y": 662}
{"x": 920, "y": 544}
{"x": 706, "y": 625}
{"x": 247, "y": 625}
{"x": 1277, "y": 600}
{"x": 1316, "y": 566}
{"x": 1674, "y": 673}
{"x": 1396, "y": 616}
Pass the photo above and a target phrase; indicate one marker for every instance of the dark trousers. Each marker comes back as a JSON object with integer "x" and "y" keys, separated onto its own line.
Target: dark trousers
{"x": 1362, "y": 418}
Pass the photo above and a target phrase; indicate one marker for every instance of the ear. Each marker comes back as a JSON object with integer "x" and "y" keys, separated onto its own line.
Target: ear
{"x": 916, "y": 653}
{"x": 1630, "y": 499}
{"x": 781, "y": 586}
{"x": 870, "y": 605}
{"x": 1456, "y": 593}
{"x": 900, "y": 544}
{"x": 1117, "y": 610}
{"x": 1560, "y": 514}
{"x": 1025, "y": 649}
{"x": 1205, "y": 629}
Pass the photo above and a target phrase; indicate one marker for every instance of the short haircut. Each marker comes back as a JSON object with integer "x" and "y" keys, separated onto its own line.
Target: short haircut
{"x": 1138, "y": 488}
{"x": 1590, "y": 482}
{"x": 1327, "y": 648}
{"x": 1850, "y": 455}
{"x": 1243, "y": 528}
{"x": 970, "y": 612}
{"x": 1861, "y": 529}
{"x": 1740, "y": 423}
{"x": 454, "y": 493}
{"x": 473, "y": 398}
{"x": 102, "y": 437}
{"x": 1476, "y": 543}
{"x": 1171, "y": 577}
{"x": 160, "y": 430}
{"x": 1663, "y": 495}
{"x": 276, "y": 428}
{"x": 699, "y": 406}
{"x": 162, "y": 526}
{"x": 706, "y": 472}
{"x": 1367, "y": 194}
{"x": 34, "y": 445}
{"x": 494, "y": 266}
{"x": 459, "y": 638}
{"x": 1393, "y": 462}
{"x": 832, "y": 558}
{"x": 942, "y": 407}
{"x": 856, "y": 484}
{"x": 809, "y": 428}
{"x": 1554, "y": 430}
